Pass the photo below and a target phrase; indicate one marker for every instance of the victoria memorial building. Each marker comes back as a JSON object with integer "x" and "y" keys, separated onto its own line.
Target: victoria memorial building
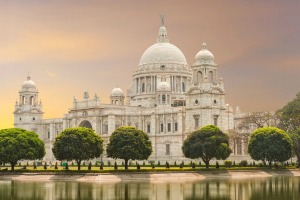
{"x": 168, "y": 99}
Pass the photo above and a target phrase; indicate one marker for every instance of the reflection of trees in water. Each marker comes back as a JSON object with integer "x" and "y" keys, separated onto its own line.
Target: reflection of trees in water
{"x": 255, "y": 189}
{"x": 277, "y": 188}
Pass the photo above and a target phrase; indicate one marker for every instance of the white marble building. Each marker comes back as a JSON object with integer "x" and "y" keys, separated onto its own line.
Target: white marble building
{"x": 168, "y": 100}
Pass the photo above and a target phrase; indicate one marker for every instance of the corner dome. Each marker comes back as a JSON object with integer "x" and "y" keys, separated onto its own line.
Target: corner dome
{"x": 28, "y": 84}
{"x": 117, "y": 92}
{"x": 163, "y": 52}
{"x": 163, "y": 87}
{"x": 204, "y": 54}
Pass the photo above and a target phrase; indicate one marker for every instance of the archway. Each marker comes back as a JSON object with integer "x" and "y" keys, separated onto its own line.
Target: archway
{"x": 86, "y": 124}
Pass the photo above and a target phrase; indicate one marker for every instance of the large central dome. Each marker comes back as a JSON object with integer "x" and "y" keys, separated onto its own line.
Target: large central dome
{"x": 163, "y": 52}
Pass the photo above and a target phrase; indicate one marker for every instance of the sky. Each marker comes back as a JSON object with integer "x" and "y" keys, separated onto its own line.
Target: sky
{"x": 72, "y": 46}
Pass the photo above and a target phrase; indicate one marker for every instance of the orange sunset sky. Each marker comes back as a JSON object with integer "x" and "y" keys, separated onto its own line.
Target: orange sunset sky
{"x": 69, "y": 47}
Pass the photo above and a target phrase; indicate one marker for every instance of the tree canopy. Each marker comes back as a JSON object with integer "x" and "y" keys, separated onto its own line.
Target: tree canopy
{"x": 19, "y": 144}
{"x": 290, "y": 121}
{"x": 129, "y": 143}
{"x": 270, "y": 144}
{"x": 207, "y": 143}
{"x": 290, "y": 115}
{"x": 77, "y": 144}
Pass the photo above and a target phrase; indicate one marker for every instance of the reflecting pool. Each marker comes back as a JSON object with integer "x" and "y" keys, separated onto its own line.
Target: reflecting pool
{"x": 275, "y": 188}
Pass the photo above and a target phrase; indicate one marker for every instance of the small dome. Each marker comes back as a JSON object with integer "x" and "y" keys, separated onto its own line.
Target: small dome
{"x": 204, "y": 54}
{"x": 163, "y": 87}
{"x": 29, "y": 84}
{"x": 117, "y": 92}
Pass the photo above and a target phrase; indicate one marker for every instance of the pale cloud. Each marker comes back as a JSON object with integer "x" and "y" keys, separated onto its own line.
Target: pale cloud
{"x": 51, "y": 74}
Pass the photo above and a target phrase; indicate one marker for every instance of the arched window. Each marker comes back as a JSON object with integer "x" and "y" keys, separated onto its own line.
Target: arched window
{"x": 31, "y": 100}
{"x": 211, "y": 76}
{"x": 86, "y": 124}
{"x": 23, "y": 100}
{"x": 199, "y": 77}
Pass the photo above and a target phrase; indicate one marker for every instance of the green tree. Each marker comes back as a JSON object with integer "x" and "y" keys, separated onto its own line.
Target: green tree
{"x": 19, "y": 144}
{"x": 290, "y": 122}
{"x": 77, "y": 144}
{"x": 129, "y": 143}
{"x": 207, "y": 143}
{"x": 295, "y": 137}
{"x": 270, "y": 144}
{"x": 289, "y": 115}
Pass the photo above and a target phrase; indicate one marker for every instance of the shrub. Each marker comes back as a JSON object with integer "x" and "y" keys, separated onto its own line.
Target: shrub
{"x": 34, "y": 165}
{"x": 153, "y": 166}
{"x": 45, "y": 165}
{"x": 56, "y": 167}
{"x": 181, "y": 165}
{"x": 200, "y": 163}
{"x": 108, "y": 163}
{"x": 193, "y": 165}
{"x": 167, "y": 165}
{"x": 243, "y": 163}
{"x": 72, "y": 163}
{"x": 175, "y": 164}
{"x": 158, "y": 163}
{"x": 144, "y": 164}
{"x": 101, "y": 166}
{"x": 138, "y": 167}
{"x": 27, "y": 164}
{"x": 116, "y": 166}
{"x": 67, "y": 166}
{"x": 217, "y": 165}
{"x": 228, "y": 163}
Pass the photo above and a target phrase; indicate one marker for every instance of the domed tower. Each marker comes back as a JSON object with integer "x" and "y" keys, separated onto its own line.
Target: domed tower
{"x": 205, "y": 69}
{"x": 161, "y": 62}
{"x": 117, "y": 96}
{"x": 28, "y": 111}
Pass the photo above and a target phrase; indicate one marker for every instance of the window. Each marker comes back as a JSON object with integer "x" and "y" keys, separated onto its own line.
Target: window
{"x": 169, "y": 127}
{"x": 215, "y": 102}
{"x": 183, "y": 87}
{"x": 20, "y": 119}
{"x": 162, "y": 67}
{"x": 48, "y": 134}
{"x": 33, "y": 118}
{"x": 148, "y": 128}
{"x": 167, "y": 149}
{"x": 163, "y": 98}
{"x": 175, "y": 126}
{"x": 105, "y": 128}
{"x": 196, "y": 102}
{"x": 196, "y": 122}
{"x": 216, "y": 120}
{"x": 161, "y": 127}
{"x": 143, "y": 87}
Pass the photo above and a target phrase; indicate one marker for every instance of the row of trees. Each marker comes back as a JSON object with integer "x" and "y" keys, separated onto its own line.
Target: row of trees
{"x": 267, "y": 144}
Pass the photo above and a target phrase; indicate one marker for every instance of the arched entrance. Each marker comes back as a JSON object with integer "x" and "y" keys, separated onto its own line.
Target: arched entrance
{"x": 86, "y": 124}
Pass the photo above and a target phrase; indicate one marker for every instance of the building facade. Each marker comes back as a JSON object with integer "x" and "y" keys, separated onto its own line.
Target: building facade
{"x": 168, "y": 99}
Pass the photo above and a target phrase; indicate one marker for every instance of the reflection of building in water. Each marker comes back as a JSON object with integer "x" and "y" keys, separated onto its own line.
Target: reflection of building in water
{"x": 265, "y": 188}
{"x": 168, "y": 99}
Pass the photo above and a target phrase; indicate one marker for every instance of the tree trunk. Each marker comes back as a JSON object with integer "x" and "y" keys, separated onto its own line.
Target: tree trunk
{"x": 126, "y": 164}
{"x": 12, "y": 166}
{"x": 206, "y": 163}
{"x": 78, "y": 164}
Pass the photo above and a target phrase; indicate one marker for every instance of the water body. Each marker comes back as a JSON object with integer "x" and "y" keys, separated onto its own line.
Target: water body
{"x": 275, "y": 188}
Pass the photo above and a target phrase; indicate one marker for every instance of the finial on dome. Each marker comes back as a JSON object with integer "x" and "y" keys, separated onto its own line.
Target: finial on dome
{"x": 28, "y": 76}
{"x": 162, "y": 35}
{"x": 162, "y": 16}
{"x": 203, "y": 45}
